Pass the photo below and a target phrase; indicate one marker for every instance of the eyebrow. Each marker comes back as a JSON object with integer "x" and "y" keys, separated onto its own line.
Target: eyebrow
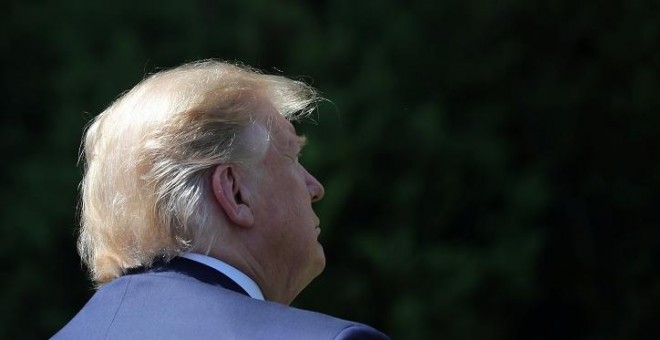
{"x": 299, "y": 143}
{"x": 302, "y": 141}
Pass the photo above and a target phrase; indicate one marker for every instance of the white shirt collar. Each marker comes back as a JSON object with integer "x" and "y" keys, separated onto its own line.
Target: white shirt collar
{"x": 234, "y": 274}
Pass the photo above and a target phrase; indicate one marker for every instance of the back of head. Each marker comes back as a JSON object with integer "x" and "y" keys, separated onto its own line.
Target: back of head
{"x": 149, "y": 155}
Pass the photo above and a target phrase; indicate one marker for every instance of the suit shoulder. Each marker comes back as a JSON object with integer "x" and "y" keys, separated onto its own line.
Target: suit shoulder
{"x": 172, "y": 306}
{"x": 314, "y": 325}
{"x": 361, "y": 332}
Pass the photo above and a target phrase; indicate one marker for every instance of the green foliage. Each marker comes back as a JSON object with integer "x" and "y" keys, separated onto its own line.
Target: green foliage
{"x": 491, "y": 168}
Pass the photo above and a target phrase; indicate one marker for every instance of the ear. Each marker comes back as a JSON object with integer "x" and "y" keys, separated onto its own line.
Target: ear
{"x": 232, "y": 195}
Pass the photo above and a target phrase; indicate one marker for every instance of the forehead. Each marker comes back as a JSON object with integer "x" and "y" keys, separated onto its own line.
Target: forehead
{"x": 283, "y": 134}
{"x": 279, "y": 128}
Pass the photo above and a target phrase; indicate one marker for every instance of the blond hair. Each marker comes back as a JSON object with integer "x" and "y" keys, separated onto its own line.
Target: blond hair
{"x": 148, "y": 158}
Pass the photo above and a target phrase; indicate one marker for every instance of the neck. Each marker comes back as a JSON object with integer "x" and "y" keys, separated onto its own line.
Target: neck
{"x": 272, "y": 281}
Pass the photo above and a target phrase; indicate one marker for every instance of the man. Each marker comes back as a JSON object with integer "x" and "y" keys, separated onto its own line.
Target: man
{"x": 197, "y": 218}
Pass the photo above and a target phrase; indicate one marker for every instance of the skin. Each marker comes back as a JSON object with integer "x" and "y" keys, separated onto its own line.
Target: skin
{"x": 271, "y": 229}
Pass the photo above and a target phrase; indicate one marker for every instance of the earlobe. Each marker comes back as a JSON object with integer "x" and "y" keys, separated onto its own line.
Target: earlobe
{"x": 232, "y": 195}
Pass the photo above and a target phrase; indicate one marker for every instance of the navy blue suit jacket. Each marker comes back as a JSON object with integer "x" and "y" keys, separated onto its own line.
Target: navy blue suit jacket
{"x": 184, "y": 299}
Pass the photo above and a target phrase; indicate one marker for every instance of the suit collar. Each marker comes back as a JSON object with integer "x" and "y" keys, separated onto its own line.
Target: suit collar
{"x": 193, "y": 269}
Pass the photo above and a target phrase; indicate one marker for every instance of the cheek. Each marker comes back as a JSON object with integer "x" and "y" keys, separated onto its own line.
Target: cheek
{"x": 286, "y": 199}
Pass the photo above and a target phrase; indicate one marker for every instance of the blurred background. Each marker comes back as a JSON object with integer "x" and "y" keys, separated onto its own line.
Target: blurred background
{"x": 492, "y": 169}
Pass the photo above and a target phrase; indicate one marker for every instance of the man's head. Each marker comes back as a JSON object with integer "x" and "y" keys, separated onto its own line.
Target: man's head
{"x": 202, "y": 157}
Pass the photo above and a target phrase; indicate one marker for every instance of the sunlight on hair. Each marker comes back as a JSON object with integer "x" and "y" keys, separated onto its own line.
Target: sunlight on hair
{"x": 147, "y": 159}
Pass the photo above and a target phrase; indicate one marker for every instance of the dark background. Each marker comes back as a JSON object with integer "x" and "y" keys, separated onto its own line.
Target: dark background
{"x": 492, "y": 168}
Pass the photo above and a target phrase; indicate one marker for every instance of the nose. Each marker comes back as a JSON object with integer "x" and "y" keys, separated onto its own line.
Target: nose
{"x": 316, "y": 190}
